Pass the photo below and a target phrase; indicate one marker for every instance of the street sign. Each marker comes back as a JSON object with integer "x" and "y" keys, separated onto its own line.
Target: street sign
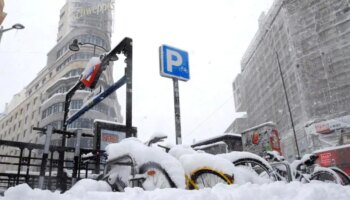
{"x": 174, "y": 63}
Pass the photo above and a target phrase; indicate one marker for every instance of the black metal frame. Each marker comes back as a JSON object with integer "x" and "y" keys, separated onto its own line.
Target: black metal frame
{"x": 125, "y": 47}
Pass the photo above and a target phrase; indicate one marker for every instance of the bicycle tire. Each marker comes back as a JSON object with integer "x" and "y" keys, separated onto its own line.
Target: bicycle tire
{"x": 118, "y": 185}
{"x": 204, "y": 177}
{"x": 324, "y": 176}
{"x": 160, "y": 179}
{"x": 258, "y": 166}
{"x": 343, "y": 176}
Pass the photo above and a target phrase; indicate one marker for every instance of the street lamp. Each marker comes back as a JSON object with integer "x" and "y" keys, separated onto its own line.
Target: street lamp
{"x": 75, "y": 47}
{"x": 15, "y": 26}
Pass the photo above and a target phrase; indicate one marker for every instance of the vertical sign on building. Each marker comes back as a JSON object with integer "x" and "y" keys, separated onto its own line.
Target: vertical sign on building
{"x": 174, "y": 64}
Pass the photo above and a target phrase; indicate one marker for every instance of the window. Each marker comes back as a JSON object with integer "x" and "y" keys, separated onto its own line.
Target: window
{"x": 33, "y": 114}
{"x": 76, "y": 104}
{"x": 24, "y": 133}
{"x": 34, "y": 101}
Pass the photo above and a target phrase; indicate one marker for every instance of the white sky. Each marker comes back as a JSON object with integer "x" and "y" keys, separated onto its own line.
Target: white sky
{"x": 216, "y": 34}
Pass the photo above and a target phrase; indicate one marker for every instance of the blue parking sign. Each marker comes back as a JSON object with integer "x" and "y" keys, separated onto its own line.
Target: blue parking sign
{"x": 174, "y": 63}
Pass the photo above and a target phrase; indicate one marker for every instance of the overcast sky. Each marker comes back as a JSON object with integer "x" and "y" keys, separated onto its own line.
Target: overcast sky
{"x": 215, "y": 33}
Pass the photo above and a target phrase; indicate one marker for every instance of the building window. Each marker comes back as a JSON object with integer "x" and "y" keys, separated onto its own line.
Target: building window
{"x": 76, "y": 104}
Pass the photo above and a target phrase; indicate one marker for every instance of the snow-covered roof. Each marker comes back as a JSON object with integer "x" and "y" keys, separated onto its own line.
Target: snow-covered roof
{"x": 270, "y": 123}
{"x": 333, "y": 148}
{"x": 107, "y": 122}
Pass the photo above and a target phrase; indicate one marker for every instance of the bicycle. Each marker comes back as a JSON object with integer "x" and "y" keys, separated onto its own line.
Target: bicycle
{"x": 306, "y": 170}
{"x": 130, "y": 163}
{"x": 252, "y": 162}
{"x": 203, "y": 170}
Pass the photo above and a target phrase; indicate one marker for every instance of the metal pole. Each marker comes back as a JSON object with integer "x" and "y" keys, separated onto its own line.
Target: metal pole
{"x": 28, "y": 166}
{"x": 76, "y": 156}
{"x": 290, "y": 111}
{"x": 19, "y": 165}
{"x": 177, "y": 111}
{"x": 45, "y": 156}
{"x": 128, "y": 72}
{"x": 1, "y": 32}
{"x": 50, "y": 171}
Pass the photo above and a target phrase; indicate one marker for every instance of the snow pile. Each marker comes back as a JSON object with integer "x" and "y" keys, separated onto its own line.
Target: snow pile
{"x": 143, "y": 154}
{"x": 180, "y": 150}
{"x": 276, "y": 190}
{"x": 236, "y": 155}
{"x": 192, "y": 161}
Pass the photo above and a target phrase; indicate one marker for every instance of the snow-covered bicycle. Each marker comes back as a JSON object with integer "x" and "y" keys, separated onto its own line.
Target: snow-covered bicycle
{"x": 306, "y": 170}
{"x": 132, "y": 163}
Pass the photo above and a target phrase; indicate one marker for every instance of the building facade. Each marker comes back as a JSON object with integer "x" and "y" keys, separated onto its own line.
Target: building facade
{"x": 41, "y": 103}
{"x": 2, "y": 13}
{"x": 310, "y": 41}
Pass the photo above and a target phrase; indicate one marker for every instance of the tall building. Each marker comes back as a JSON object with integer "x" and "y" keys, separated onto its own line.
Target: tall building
{"x": 2, "y": 13}
{"x": 310, "y": 41}
{"x": 41, "y": 103}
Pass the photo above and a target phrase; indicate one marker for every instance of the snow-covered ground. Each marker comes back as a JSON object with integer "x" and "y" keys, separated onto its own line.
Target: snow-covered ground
{"x": 93, "y": 190}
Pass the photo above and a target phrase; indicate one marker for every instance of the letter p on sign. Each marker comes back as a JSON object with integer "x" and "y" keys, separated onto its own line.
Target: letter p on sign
{"x": 174, "y": 63}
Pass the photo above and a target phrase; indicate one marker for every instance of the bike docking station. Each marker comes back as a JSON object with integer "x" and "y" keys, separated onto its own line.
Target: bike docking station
{"x": 174, "y": 64}
{"x": 89, "y": 79}
{"x": 105, "y": 132}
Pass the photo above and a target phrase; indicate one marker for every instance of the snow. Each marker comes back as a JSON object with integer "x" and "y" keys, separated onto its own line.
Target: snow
{"x": 260, "y": 125}
{"x": 94, "y": 190}
{"x": 236, "y": 155}
{"x": 332, "y": 148}
{"x": 209, "y": 145}
{"x": 179, "y": 150}
{"x": 144, "y": 154}
{"x": 107, "y": 122}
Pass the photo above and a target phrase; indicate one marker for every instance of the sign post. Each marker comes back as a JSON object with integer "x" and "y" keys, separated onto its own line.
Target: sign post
{"x": 174, "y": 64}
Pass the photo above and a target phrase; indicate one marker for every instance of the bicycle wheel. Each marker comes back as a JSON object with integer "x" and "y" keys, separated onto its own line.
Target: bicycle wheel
{"x": 117, "y": 185}
{"x": 343, "y": 176}
{"x": 156, "y": 177}
{"x": 208, "y": 178}
{"x": 325, "y": 176}
{"x": 257, "y": 166}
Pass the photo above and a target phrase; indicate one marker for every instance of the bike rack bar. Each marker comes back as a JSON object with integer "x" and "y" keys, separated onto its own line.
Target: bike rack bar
{"x": 76, "y": 157}
{"x": 97, "y": 99}
{"x": 45, "y": 156}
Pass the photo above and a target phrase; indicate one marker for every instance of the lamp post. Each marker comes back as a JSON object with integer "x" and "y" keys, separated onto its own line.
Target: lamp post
{"x": 287, "y": 101}
{"x": 75, "y": 46}
{"x": 15, "y": 26}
